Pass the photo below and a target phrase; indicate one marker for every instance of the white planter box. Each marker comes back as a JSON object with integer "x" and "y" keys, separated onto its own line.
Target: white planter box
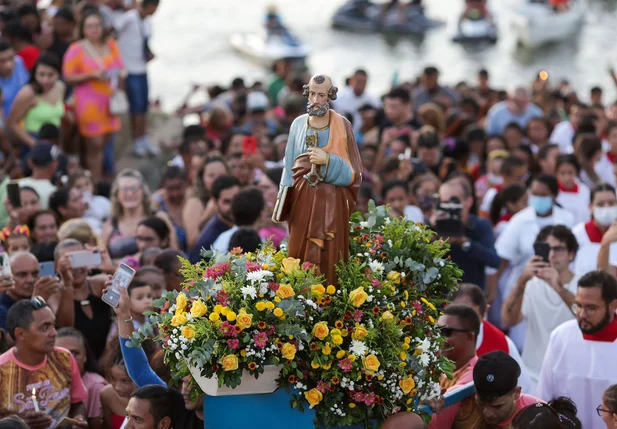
{"x": 266, "y": 383}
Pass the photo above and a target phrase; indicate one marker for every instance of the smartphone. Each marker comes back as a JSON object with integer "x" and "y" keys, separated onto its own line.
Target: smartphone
{"x": 542, "y": 250}
{"x": 13, "y": 194}
{"x": 406, "y": 155}
{"x": 85, "y": 258}
{"x": 121, "y": 279}
{"x": 66, "y": 423}
{"x": 47, "y": 269}
{"x": 249, "y": 146}
{"x": 5, "y": 270}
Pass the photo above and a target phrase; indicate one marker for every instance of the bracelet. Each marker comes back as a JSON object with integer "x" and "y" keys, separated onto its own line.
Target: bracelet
{"x": 129, "y": 320}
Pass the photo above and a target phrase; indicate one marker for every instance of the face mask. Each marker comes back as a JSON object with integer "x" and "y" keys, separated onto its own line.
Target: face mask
{"x": 605, "y": 216}
{"x": 542, "y": 205}
{"x": 495, "y": 179}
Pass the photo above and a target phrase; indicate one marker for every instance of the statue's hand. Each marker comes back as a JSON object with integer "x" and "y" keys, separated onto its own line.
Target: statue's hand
{"x": 318, "y": 156}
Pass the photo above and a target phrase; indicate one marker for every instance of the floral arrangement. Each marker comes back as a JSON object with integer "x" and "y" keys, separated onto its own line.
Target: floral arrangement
{"x": 238, "y": 312}
{"x": 374, "y": 345}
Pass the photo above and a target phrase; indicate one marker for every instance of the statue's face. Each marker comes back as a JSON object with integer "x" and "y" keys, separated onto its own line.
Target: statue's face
{"x": 318, "y": 98}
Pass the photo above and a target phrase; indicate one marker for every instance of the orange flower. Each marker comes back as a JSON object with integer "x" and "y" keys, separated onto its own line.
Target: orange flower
{"x": 252, "y": 366}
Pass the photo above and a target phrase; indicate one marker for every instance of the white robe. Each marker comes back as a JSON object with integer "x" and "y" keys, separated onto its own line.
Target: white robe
{"x": 579, "y": 369}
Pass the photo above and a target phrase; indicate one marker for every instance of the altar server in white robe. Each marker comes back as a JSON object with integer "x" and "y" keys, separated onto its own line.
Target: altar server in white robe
{"x": 580, "y": 360}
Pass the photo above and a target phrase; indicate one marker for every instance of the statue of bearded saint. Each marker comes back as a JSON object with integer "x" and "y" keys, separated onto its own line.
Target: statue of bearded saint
{"x": 321, "y": 179}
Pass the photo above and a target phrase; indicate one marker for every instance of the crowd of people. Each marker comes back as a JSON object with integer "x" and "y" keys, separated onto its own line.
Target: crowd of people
{"x": 524, "y": 180}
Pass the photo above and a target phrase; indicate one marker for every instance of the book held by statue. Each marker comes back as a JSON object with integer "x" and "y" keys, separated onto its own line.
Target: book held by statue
{"x": 283, "y": 205}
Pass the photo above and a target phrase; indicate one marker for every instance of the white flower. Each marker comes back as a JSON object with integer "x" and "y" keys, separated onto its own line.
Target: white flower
{"x": 357, "y": 348}
{"x": 425, "y": 359}
{"x": 258, "y": 276}
{"x": 425, "y": 344}
{"x": 390, "y": 243}
{"x": 263, "y": 289}
{"x": 364, "y": 224}
{"x": 249, "y": 291}
{"x": 387, "y": 221}
{"x": 376, "y": 267}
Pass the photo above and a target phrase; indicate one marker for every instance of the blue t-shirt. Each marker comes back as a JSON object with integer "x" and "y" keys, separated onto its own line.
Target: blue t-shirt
{"x": 12, "y": 84}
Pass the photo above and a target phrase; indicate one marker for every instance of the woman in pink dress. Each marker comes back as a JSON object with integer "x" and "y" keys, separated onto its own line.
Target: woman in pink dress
{"x": 94, "y": 67}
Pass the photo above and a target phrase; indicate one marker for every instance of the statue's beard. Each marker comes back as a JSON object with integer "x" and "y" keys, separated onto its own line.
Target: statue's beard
{"x": 316, "y": 109}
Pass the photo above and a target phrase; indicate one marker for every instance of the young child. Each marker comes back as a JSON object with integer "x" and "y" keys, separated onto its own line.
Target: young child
{"x": 154, "y": 277}
{"x": 16, "y": 240}
{"x": 140, "y": 299}
{"x": 115, "y": 396}
{"x": 573, "y": 195}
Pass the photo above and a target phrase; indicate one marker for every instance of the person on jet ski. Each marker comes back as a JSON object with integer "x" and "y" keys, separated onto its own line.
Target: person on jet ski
{"x": 560, "y": 5}
{"x": 476, "y": 10}
{"x": 275, "y": 27}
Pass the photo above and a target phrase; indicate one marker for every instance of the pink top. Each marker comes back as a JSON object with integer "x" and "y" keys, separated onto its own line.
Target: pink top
{"x": 94, "y": 384}
{"x": 56, "y": 381}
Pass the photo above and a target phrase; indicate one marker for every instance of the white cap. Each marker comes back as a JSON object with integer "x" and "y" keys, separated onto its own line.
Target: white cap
{"x": 257, "y": 101}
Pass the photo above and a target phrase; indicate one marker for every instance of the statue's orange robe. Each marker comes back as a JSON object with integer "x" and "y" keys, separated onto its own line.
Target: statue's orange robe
{"x": 319, "y": 216}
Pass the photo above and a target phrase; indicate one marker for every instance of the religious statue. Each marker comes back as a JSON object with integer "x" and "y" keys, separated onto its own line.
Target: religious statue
{"x": 320, "y": 183}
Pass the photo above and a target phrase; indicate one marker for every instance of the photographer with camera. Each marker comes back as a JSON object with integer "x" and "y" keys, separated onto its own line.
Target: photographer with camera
{"x": 471, "y": 237}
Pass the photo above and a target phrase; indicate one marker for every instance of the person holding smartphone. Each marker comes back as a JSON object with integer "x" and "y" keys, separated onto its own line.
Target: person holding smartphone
{"x": 544, "y": 294}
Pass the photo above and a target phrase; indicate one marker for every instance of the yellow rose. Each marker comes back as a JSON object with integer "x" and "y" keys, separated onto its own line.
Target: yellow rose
{"x": 340, "y": 354}
{"x": 198, "y": 309}
{"x": 285, "y": 291}
{"x": 231, "y": 316}
{"x": 394, "y": 277}
{"x": 331, "y": 290}
{"x": 181, "y": 301}
{"x": 359, "y": 333}
{"x": 188, "y": 332}
{"x": 269, "y": 305}
{"x": 313, "y": 397}
{"x": 387, "y": 316}
{"x": 290, "y": 265}
{"x": 179, "y": 319}
{"x": 337, "y": 340}
{"x": 320, "y": 330}
{"x": 244, "y": 320}
{"x": 278, "y": 312}
{"x": 407, "y": 384}
{"x": 230, "y": 362}
{"x": 357, "y": 297}
{"x": 289, "y": 351}
{"x": 214, "y": 317}
{"x": 260, "y": 306}
{"x": 326, "y": 350}
{"x": 318, "y": 289}
{"x": 370, "y": 364}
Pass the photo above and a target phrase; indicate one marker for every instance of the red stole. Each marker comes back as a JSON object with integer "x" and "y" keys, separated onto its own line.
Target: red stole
{"x": 593, "y": 232}
{"x": 606, "y": 335}
{"x": 573, "y": 189}
{"x": 492, "y": 340}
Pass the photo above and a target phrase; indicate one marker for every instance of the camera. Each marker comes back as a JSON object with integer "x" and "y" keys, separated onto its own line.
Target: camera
{"x": 449, "y": 222}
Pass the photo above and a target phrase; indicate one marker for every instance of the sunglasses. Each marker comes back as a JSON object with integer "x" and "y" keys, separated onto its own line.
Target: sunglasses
{"x": 38, "y": 302}
{"x": 447, "y": 332}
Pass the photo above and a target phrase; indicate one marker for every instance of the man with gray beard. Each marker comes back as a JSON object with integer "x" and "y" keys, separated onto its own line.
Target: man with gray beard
{"x": 320, "y": 183}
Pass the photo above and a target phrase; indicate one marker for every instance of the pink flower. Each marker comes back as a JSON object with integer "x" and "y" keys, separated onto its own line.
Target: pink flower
{"x": 357, "y": 315}
{"x": 252, "y": 266}
{"x": 358, "y": 397}
{"x": 307, "y": 265}
{"x": 273, "y": 286}
{"x": 376, "y": 283}
{"x": 260, "y": 339}
{"x": 322, "y": 386}
{"x": 345, "y": 364}
{"x": 369, "y": 399}
{"x": 233, "y": 344}
{"x": 223, "y": 298}
{"x": 217, "y": 271}
{"x": 379, "y": 238}
{"x": 418, "y": 307}
{"x": 228, "y": 329}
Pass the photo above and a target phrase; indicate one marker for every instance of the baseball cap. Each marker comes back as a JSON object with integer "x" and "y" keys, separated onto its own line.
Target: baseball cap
{"x": 256, "y": 101}
{"x": 495, "y": 374}
{"x": 44, "y": 153}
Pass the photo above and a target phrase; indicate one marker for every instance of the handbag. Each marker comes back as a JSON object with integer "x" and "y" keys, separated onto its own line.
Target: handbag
{"x": 119, "y": 101}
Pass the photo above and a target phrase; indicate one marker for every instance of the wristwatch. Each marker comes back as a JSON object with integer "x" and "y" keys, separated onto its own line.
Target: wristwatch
{"x": 466, "y": 246}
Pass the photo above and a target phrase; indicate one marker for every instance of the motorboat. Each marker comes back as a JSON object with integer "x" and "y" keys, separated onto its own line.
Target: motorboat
{"x": 273, "y": 43}
{"x": 475, "y": 31}
{"x": 366, "y": 16}
{"x": 537, "y": 23}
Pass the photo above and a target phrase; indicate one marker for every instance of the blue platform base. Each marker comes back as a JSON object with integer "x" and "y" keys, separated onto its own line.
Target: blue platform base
{"x": 271, "y": 411}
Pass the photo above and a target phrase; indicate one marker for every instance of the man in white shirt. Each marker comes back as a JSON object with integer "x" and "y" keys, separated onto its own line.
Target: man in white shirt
{"x": 564, "y": 131}
{"x": 543, "y": 295}
{"x": 134, "y": 30}
{"x": 580, "y": 359}
{"x": 246, "y": 208}
{"x": 352, "y": 97}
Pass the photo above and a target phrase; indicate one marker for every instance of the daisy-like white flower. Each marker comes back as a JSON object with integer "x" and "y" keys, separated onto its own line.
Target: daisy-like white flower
{"x": 364, "y": 224}
{"x": 357, "y": 348}
{"x": 424, "y": 359}
{"x": 258, "y": 276}
{"x": 249, "y": 291}
{"x": 376, "y": 267}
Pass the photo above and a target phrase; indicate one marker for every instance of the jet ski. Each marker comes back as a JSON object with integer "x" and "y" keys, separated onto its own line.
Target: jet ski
{"x": 537, "y": 23}
{"x": 476, "y": 24}
{"x": 368, "y": 17}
